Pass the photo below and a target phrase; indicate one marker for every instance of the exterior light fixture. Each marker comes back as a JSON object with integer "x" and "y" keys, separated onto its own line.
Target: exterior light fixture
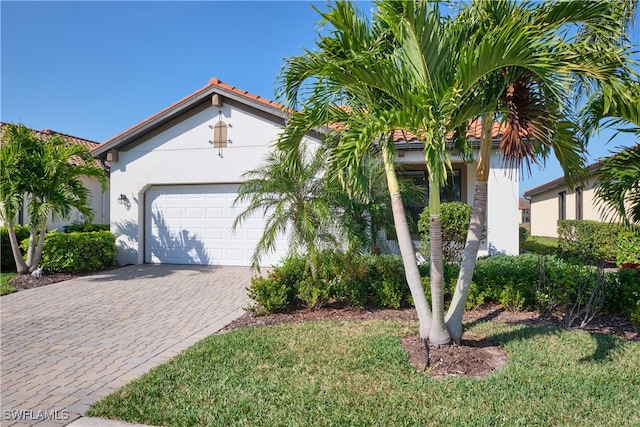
{"x": 122, "y": 199}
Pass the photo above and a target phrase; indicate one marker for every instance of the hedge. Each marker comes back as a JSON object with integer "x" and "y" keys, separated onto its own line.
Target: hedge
{"x": 598, "y": 242}
{"x": 77, "y": 252}
{"x": 82, "y": 227}
{"x": 6, "y": 254}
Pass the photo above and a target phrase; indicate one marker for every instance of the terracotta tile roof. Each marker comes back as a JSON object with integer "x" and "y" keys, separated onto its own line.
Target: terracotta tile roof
{"x": 91, "y": 145}
{"x": 473, "y": 131}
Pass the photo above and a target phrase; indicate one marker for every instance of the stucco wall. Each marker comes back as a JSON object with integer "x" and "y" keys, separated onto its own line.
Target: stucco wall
{"x": 545, "y": 208}
{"x": 183, "y": 154}
{"x": 503, "y": 214}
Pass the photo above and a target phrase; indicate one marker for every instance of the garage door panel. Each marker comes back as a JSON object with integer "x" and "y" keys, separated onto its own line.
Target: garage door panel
{"x": 193, "y": 225}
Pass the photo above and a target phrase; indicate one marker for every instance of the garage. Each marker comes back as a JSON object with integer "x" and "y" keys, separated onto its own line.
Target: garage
{"x": 192, "y": 224}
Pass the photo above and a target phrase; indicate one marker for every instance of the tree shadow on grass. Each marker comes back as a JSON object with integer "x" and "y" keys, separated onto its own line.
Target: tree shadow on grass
{"x": 605, "y": 344}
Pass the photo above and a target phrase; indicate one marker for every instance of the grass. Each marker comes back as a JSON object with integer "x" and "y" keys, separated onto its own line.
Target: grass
{"x": 5, "y": 287}
{"x": 357, "y": 373}
{"x": 540, "y": 245}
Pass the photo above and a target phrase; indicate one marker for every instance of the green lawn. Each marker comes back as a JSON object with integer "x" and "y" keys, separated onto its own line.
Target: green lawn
{"x": 540, "y": 245}
{"x": 356, "y": 373}
{"x": 5, "y": 288}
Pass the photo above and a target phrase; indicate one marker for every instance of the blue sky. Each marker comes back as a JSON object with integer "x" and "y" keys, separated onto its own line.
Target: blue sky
{"x": 93, "y": 69}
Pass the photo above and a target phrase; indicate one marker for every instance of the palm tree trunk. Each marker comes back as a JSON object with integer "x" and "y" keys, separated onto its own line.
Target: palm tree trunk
{"x": 37, "y": 257}
{"x": 439, "y": 334}
{"x": 474, "y": 235}
{"x": 405, "y": 243}
{"x": 21, "y": 266}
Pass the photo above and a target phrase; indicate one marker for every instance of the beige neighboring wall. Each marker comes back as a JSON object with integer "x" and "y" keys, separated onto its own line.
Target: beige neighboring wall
{"x": 545, "y": 205}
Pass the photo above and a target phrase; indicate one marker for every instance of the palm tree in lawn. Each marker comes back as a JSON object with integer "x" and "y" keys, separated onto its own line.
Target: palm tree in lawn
{"x": 366, "y": 114}
{"x": 410, "y": 70}
{"x": 534, "y": 101}
{"x": 48, "y": 173}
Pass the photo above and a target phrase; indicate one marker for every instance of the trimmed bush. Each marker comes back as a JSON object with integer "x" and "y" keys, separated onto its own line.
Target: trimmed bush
{"x": 6, "y": 254}
{"x": 279, "y": 289}
{"x": 628, "y": 254}
{"x": 589, "y": 241}
{"x": 77, "y": 252}
{"x": 82, "y": 227}
{"x": 510, "y": 280}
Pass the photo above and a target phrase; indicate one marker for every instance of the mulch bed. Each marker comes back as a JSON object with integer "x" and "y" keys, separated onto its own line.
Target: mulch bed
{"x": 474, "y": 356}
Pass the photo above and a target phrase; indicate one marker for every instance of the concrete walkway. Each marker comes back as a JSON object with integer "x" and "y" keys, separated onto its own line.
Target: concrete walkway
{"x": 67, "y": 345}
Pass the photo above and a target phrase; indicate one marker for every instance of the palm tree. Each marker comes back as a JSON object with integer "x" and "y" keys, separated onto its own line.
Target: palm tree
{"x": 412, "y": 69}
{"x": 292, "y": 195}
{"x": 48, "y": 172}
{"x": 618, "y": 185}
{"x": 533, "y": 105}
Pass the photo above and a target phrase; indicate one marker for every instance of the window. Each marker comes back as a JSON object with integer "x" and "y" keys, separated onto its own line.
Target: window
{"x": 562, "y": 207}
{"x": 451, "y": 191}
{"x": 578, "y": 203}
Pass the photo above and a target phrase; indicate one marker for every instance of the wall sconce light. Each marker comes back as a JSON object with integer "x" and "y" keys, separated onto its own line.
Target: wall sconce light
{"x": 122, "y": 199}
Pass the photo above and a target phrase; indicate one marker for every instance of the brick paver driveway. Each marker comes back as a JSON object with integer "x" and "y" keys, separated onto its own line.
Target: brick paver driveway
{"x": 66, "y": 345}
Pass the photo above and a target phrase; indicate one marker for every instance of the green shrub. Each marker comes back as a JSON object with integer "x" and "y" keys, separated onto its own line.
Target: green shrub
{"x": 628, "y": 253}
{"x": 269, "y": 294}
{"x": 589, "y": 241}
{"x": 77, "y": 252}
{"x": 82, "y": 227}
{"x": 315, "y": 292}
{"x": 6, "y": 254}
{"x": 510, "y": 280}
{"x": 622, "y": 294}
{"x": 451, "y": 272}
{"x": 279, "y": 289}
{"x": 455, "y": 218}
{"x": 390, "y": 289}
{"x": 523, "y": 234}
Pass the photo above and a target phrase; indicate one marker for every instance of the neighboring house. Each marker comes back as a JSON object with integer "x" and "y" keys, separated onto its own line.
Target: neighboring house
{"x": 175, "y": 175}
{"x": 553, "y": 201}
{"x": 525, "y": 211}
{"x": 99, "y": 199}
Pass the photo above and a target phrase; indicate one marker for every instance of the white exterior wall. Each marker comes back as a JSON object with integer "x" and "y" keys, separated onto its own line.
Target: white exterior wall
{"x": 503, "y": 214}
{"x": 183, "y": 154}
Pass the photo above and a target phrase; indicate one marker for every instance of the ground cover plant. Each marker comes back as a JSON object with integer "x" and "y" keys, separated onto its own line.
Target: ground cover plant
{"x": 358, "y": 373}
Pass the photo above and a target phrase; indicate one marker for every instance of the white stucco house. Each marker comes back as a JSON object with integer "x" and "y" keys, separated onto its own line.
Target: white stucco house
{"x": 175, "y": 175}
{"x": 99, "y": 199}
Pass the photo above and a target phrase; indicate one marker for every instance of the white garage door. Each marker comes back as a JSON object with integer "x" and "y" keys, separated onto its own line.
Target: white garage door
{"x": 192, "y": 225}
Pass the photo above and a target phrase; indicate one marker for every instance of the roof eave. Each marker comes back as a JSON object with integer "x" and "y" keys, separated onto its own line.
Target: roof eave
{"x": 177, "y": 110}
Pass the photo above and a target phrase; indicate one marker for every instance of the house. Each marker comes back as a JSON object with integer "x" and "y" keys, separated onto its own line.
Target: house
{"x": 175, "y": 175}
{"x": 554, "y": 200}
{"x": 99, "y": 199}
